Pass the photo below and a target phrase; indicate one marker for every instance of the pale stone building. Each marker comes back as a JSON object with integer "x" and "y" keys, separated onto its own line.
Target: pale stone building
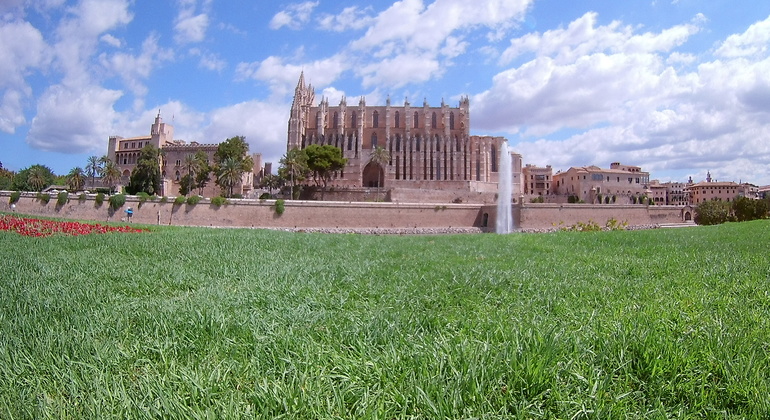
{"x": 623, "y": 184}
{"x": 432, "y": 154}
{"x": 537, "y": 180}
{"x": 126, "y": 151}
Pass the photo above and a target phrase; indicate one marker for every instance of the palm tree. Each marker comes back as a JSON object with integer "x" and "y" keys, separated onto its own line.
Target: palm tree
{"x": 92, "y": 169}
{"x": 192, "y": 164}
{"x": 110, "y": 174}
{"x": 36, "y": 178}
{"x": 75, "y": 179}
{"x": 380, "y": 157}
{"x": 229, "y": 174}
{"x": 294, "y": 167}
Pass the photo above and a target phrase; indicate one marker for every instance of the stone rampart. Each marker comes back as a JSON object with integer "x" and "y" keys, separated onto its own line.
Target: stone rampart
{"x": 342, "y": 215}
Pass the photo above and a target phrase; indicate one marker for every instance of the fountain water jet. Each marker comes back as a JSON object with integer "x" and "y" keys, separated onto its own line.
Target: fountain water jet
{"x": 504, "y": 193}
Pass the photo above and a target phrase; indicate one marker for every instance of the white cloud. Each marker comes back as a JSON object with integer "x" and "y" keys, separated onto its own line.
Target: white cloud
{"x": 282, "y": 77}
{"x": 135, "y": 69}
{"x": 73, "y": 120}
{"x": 609, "y": 94}
{"x": 190, "y": 26}
{"x": 294, "y": 16}
{"x": 111, "y": 40}
{"x": 208, "y": 60}
{"x": 753, "y": 41}
{"x": 350, "y": 18}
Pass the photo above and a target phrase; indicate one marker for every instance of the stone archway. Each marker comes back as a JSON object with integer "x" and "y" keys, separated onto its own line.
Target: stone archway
{"x": 373, "y": 176}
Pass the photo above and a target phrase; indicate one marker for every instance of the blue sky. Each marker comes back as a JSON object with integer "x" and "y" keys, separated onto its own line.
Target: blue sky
{"x": 677, "y": 87}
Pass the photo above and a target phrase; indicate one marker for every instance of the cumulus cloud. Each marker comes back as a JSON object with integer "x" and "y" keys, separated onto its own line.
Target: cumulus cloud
{"x": 190, "y": 25}
{"x": 282, "y": 77}
{"x": 350, "y": 18}
{"x": 608, "y": 93}
{"x": 134, "y": 69}
{"x": 73, "y": 120}
{"x": 752, "y": 42}
{"x": 294, "y": 16}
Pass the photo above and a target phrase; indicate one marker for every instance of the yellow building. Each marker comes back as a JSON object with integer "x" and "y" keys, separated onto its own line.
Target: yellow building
{"x": 623, "y": 184}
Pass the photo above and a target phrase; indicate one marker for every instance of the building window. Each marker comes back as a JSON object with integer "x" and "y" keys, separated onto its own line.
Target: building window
{"x": 398, "y": 120}
{"x": 433, "y": 121}
{"x": 416, "y": 120}
{"x": 493, "y": 158}
{"x": 417, "y": 143}
{"x": 398, "y": 143}
{"x": 374, "y": 140}
{"x": 451, "y": 120}
{"x": 354, "y": 120}
{"x": 336, "y": 120}
{"x": 375, "y": 119}
{"x": 178, "y": 162}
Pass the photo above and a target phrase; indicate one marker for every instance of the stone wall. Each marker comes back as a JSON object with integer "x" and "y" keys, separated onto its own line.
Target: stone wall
{"x": 329, "y": 214}
{"x": 257, "y": 213}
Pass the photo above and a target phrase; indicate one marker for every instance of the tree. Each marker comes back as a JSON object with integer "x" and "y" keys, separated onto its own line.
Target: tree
{"x": 323, "y": 161}
{"x": 110, "y": 174}
{"x": 271, "y": 182}
{"x": 92, "y": 169}
{"x": 293, "y": 167}
{"x": 146, "y": 174}
{"x": 712, "y": 212}
{"x": 33, "y": 178}
{"x": 6, "y": 178}
{"x": 380, "y": 157}
{"x": 76, "y": 179}
{"x": 234, "y": 153}
{"x": 229, "y": 174}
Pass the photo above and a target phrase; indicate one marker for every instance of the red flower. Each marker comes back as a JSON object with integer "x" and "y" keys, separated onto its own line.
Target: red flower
{"x": 40, "y": 227}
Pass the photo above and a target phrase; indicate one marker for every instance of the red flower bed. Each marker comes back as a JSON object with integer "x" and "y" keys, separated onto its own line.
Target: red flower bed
{"x": 40, "y": 227}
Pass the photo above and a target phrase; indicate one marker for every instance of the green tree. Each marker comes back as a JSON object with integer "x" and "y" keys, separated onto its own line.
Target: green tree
{"x": 6, "y": 178}
{"x": 712, "y": 212}
{"x": 293, "y": 167}
{"x": 33, "y": 178}
{"x": 229, "y": 174}
{"x": 92, "y": 169}
{"x": 146, "y": 174}
{"x": 110, "y": 174}
{"x": 323, "y": 161}
{"x": 76, "y": 179}
{"x": 231, "y": 157}
{"x": 380, "y": 157}
{"x": 271, "y": 182}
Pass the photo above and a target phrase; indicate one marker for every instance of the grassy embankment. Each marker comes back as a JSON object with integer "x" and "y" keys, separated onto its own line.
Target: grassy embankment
{"x": 190, "y": 323}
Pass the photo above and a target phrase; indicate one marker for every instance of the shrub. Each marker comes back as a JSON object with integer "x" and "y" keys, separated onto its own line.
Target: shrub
{"x": 279, "y": 206}
{"x": 117, "y": 201}
{"x": 82, "y": 197}
{"x": 61, "y": 198}
{"x": 143, "y": 196}
{"x": 44, "y": 197}
{"x": 237, "y": 196}
{"x": 194, "y": 199}
{"x": 264, "y": 196}
{"x": 164, "y": 199}
{"x": 14, "y": 197}
{"x": 712, "y": 212}
{"x": 180, "y": 200}
{"x": 218, "y": 201}
{"x": 99, "y": 199}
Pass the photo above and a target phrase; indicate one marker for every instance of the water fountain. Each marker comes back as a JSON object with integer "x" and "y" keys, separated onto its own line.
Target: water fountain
{"x": 504, "y": 193}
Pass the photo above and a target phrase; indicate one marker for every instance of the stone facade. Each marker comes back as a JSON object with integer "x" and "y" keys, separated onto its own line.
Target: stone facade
{"x": 620, "y": 184}
{"x": 126, "y": 151}
{"x": 430, "y": 148}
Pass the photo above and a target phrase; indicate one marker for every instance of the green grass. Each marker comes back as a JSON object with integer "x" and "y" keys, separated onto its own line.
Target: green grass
{"x": 238, "y": 323}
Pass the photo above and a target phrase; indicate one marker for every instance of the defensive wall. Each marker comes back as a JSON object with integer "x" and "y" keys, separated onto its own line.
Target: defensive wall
{"x": 336, "y": 214}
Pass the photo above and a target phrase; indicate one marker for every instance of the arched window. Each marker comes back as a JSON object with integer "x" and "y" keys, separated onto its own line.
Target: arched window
{"x": 354, "y": 120}
{"x": 374, "y": 140}
{"x": 350, "y": 142}
{"x": 336, "y": 120}
{"x": 416, "y": 120}
{"x": 375, "y": 119}
{"x": 493, "y": 158}
{"x": 433, "y": 121}
{"x": 458, "y": 146}
{"x": 398, "y": 120}
{"x": 318, "y": 119}
{"x": 398, "y": 142}
{"x": 438, "y": 143}
{"x": 451, "y": 120}
{"x": 417, "y": 143}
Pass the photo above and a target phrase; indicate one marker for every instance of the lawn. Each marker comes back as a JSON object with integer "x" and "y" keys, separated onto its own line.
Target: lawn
{"x": 237, "y": 323}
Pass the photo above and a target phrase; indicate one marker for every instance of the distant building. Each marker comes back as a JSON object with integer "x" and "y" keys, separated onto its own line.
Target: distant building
{"x": 431, "y": 150}
{"x": 537, "y": 180}
{"x": 126, "y": 151}
{"x": 621, "y": 184}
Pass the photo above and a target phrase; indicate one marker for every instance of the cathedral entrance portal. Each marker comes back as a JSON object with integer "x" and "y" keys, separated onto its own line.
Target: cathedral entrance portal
{"x": 373, "y": 176}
